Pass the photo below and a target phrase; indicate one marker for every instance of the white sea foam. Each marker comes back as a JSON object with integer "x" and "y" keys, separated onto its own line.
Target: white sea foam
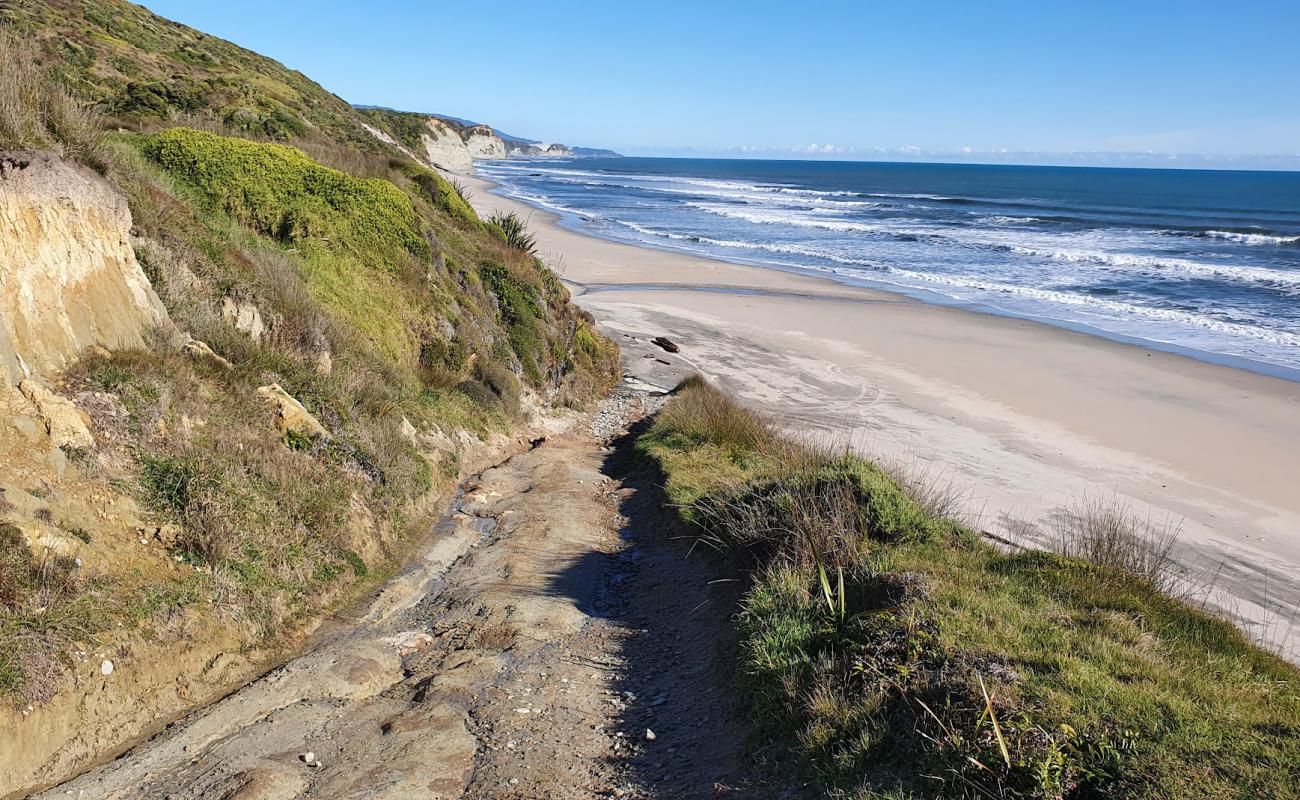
{"x": 1162, "y": 264}
{"x": 768, "y": 247}
{"x": 1001, "y": 219}
{"x": 760, "y": 216}
{"x": 988, "y": 257}
{"x": 546, "y": 202}
{"x": 1122, "y": 309}
{"x": 1251, "y": 238}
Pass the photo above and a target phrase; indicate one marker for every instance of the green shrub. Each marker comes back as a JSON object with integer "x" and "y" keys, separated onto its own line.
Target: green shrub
{"x": 280, "y": 192}
{"x": 521, "y": 314}
{"x": 446, "y": 196}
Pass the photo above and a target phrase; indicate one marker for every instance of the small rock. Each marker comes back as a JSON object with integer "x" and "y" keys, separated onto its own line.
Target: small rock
{"x": 290, "y": 415}
{"x": 666, "y": 344}
{"x": 106, "y": 668}
{"x": 64, "y": 422}
{"x": 240, "y": 311}
{"x": 199, "y": 351}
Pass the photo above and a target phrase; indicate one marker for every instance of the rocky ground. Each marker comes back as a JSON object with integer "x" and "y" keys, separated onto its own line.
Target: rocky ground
{"x": 555, "y": 641}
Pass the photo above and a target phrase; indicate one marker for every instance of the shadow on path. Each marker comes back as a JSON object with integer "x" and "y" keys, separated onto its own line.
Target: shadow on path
{"x": 678, "y": 679}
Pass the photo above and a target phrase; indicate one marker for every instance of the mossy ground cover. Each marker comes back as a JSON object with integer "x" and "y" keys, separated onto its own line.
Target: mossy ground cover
{"x": 926, "y": 663}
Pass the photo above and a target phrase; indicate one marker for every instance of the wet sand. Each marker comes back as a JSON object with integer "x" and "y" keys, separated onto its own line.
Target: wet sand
{"x": 1025, "y": 418}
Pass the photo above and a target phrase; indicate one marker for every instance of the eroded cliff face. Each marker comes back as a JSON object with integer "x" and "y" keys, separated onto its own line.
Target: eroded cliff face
{"x": 539, "y": 150}
{"x": 483, "y": 143}
{"x": 444, "y": 147}
{"x": 69, "y": 278}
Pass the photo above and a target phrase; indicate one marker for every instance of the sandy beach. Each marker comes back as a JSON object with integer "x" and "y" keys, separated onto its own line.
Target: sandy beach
{"x": 1026, "y": 419}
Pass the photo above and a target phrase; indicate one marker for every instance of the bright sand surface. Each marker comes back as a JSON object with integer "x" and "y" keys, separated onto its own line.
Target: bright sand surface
{"x": 1026, "y": 419}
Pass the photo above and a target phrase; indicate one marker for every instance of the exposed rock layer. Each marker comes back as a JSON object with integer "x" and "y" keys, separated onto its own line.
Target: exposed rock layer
{"x": 69, "y": 278}
{"x": 444, "y": 147}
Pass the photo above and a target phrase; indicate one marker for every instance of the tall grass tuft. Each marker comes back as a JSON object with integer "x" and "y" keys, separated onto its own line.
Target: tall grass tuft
{"x": 38, "y": 112}
{"x": 513, "y": 230}
{"x": 704, "y": 414}
{"x": 1109, "y": 533}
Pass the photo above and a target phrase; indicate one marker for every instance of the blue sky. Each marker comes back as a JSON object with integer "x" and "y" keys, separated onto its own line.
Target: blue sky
{"x": 978, "y": 80}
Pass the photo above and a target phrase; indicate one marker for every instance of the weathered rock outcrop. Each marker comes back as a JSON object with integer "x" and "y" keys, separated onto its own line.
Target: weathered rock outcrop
{"x": 444, "y": 147}
{"x": 64, "y": 422}
{"x": 483, "y": 143}
{"x": 290, "y": 415}
{"x": 240, "y": 311}
{"x": 68, "y": 275}
{"x": 455, "y": 145}
{"x": 518, "y": 148}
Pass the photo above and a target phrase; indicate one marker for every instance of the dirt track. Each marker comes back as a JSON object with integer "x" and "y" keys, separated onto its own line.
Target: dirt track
{"x": 554, "y": 642}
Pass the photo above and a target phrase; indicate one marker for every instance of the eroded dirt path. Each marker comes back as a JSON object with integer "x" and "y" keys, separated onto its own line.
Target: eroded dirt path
{"x": 554, "y": 642}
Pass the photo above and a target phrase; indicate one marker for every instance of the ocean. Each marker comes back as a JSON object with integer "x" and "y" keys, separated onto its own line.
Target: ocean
{"x": 1202, "y": 262}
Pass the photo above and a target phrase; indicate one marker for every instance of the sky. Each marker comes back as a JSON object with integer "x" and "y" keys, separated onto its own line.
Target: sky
{"x": 1062, "y": 81}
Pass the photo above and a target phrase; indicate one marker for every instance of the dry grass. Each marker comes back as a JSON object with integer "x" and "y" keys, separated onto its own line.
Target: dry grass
{"x": 761, "y": 495}
{"x": 46, "y": 604}
{"x": 1109, "y": 533}
{"x": 38, "y": 112}
{"x": 703, "y": 414}
{"x": 933, "y": 488}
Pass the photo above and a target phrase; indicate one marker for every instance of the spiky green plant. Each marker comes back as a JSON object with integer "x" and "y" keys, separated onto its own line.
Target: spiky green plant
{"x": 513, "y": 230}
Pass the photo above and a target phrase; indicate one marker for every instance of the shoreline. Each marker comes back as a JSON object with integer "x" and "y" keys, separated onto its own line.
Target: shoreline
{"x": 1027, "y": 419}
{"x": 571, "y": 221}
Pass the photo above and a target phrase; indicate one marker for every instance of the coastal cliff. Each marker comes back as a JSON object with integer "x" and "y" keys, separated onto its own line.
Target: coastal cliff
{"x": 453, "y": 145}
{"x": 238, "y": 377}
{"x": 260, "y": 359}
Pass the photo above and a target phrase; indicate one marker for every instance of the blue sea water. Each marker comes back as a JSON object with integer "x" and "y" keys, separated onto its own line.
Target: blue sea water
{"x": 1205, "y": 261}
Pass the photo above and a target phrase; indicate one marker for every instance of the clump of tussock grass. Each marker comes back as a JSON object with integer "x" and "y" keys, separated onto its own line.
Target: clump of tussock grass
{"x": 932, "y": 488}
{"x": 1111, "y": 534}
{"x": 38, "y": 112}
{"x": 890, "y": 652}
{"x": 702, "y": 414}
{"x": 511, "y": 229}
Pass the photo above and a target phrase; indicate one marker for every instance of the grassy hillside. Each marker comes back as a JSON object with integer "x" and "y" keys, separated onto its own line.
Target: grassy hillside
{"x": 398, "y": 319}
{"x": 143, "y": 70}
{"x": 406, "y": 127}
{"x": 897, "y": 655}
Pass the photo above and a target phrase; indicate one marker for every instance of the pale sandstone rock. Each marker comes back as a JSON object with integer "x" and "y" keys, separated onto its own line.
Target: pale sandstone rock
{"x": 199, "y": 351}
{"x": 324, "y": 363}
{"x": 483, "y": 143}
{"x": 67, "y": 425}
{"x": 409, "y": 432}
{"x": 444, "y": 148}
{"x": 242, "y": 314}
{"x": 68, "y": 276}
{"x": 290, "y": 415}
